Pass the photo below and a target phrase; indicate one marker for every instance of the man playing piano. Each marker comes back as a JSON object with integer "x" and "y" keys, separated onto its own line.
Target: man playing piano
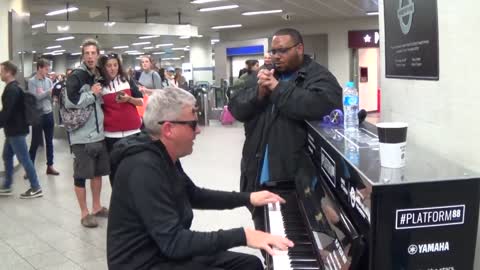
{"x": 152, "y": 200}
{"x": 295, "y": 89}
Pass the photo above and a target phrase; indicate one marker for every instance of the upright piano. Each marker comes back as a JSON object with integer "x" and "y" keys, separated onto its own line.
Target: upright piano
{"x": 346, "y": 212}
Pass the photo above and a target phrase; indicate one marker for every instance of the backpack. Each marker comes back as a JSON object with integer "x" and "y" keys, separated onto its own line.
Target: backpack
{"x": 74, "y": 119}
{"x": 33, "y": 113}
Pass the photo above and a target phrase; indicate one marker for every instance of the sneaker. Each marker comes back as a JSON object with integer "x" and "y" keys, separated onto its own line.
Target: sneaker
{"x": 25, "y": 177}
{"x": 5, "y": 191}
{"x": 31, "y": 193}
{"x": 89, "y": 221}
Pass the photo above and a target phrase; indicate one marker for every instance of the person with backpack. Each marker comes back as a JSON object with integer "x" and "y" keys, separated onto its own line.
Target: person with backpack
{"x": 120, "y": 97}
{"x": 13, "y": 120}
{"x": 83, "y": 118}
{"x": 41, "y": 87}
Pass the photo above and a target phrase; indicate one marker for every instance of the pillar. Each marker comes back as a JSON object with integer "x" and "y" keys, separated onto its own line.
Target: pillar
{"x": 201, "y": 59}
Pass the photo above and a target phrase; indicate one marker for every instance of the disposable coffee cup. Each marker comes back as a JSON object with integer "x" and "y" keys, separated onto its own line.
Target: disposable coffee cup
{"x": 392, "y": 175}
{"x": 392, "y": 137}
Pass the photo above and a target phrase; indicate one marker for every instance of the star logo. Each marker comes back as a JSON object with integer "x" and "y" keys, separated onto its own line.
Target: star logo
{"x": 412, "y": 249}
{"x": 367, "y": 38}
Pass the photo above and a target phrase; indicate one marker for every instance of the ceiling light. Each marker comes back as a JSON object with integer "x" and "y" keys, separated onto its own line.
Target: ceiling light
{"x": 251, "y": 13}
{"x": 53, "y": 47}
{"x": 164, "y": 45}
{"x": 148, "y": 48}
{"x": 141, "y": 43}
{"x": 102, "y": 52}
{"x": 226, "y": 26}
{"x": 213, "y": 41}
{"x": 65, "y": 38}
{"x": 134, "y": 51}
{"x": 63, "y": 28}
{"x": 204, "y": 1}
{"x": 184, "y": 37}
{"x": 374, "y": 13}
{"x": 218, "y": 8}
{"x": 109, "y": 24}
{"x": 38, "y": 25}
{"x": 62, "y": 11}
{"x": 178, "y": 49}
{"x": 183, "y": 56}
{"x": 159, "y": 53}
{"x": 58, "y": 51}
{"x": 172, "y": 58}
{"x": 120, "y": 47}
{"x": 77, "y": 53}
{"x": 148, "y": 37}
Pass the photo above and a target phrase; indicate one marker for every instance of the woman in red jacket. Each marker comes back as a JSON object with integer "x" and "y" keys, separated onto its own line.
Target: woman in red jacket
{"x": 120, "y": 98}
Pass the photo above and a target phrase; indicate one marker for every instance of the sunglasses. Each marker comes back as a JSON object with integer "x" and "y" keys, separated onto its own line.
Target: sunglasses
{"x": 281, "y": 50}
{"x": 193, "y": 123}
{"x": 110, "y": 56}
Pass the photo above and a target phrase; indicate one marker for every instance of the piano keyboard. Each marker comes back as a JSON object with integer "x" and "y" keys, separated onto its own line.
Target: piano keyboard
{"x": 286, "y": 220}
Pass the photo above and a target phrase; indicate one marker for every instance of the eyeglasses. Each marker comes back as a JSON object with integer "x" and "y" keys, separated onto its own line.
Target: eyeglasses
{"x": 281, "y": 50}
{"x": 193, "y": 123}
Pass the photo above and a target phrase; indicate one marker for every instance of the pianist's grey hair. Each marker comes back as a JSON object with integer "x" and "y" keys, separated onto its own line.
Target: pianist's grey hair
{"x": 165, "y": 105}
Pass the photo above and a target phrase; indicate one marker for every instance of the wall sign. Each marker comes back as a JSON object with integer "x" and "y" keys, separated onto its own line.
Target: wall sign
{"x": 363, "y": 39}
{"x": 411, "y": 39}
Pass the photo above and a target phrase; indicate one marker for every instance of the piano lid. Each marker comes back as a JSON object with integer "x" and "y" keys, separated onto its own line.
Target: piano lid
{"x": 363, "y": 155}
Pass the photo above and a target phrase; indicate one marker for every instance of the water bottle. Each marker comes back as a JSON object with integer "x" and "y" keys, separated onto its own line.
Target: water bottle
{"x": 350, "y": 108}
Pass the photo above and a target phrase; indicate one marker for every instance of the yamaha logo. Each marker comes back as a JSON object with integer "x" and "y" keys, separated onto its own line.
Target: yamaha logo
{"x": 412, "y": 249}
{"x": 428, "y": 248}
{"x": 405, "y": 12}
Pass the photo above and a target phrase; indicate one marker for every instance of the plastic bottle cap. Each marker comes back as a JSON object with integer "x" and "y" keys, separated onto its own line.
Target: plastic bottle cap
{"x": 350, "y": 84}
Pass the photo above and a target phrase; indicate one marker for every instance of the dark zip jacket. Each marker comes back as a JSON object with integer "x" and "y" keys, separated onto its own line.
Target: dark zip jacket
{"x": 151, "y": 210}
{"x": 12, "y": 116}
{"x": 279, "y": 121}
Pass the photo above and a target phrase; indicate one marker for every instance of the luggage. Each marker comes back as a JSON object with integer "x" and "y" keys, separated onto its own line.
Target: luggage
{"x": 226, "y": 118}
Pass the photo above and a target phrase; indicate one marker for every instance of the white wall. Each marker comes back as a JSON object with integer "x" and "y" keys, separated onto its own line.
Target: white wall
{"x": 238, "y": 62}
{"x": 368, "y": 90}
{"x": 337, "y": 31}
{"x": 222, "y": 68}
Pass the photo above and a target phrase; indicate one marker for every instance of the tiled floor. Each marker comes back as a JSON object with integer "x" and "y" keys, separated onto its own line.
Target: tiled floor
{"x": 46, "y": 233}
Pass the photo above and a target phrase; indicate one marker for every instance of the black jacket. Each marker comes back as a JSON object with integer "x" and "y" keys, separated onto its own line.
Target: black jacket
{"x": 12, "y": 116}
{"x": 279, "y": 121}
{"x": 151, "y": 210}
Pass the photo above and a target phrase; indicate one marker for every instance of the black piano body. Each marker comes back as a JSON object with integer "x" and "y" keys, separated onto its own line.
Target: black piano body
{"x": 362, "y": 216}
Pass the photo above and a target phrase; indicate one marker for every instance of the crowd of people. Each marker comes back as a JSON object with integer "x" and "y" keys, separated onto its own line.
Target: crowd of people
{"x": 152, "y": 197}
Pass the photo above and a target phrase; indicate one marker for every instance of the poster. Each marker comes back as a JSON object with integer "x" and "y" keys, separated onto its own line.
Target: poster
{"x": 411, "y": 39}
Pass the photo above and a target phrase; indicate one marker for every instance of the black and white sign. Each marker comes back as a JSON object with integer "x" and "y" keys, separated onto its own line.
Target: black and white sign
{"x": 430, "y": 217}
{"x": 411, "y": 39}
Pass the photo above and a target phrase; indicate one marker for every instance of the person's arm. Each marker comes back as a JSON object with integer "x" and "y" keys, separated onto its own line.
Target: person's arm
{"x": 78, "y": 96}
{"x": 202, "y": 198}
{"x": 10, "y": 100}
{"x": 33, "y": 89}
{"x": 246, "y": 103}
{"x": 157, "y": 207}
{"x": 318, "y": 99}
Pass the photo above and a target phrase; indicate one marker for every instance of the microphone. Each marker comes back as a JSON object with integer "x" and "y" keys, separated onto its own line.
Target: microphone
{"x": 362, "y": 115}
